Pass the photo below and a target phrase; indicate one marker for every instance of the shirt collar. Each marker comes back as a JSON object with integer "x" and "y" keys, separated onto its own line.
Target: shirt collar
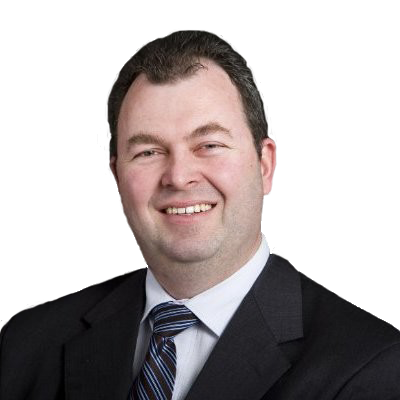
{"x": 225, "y": 297}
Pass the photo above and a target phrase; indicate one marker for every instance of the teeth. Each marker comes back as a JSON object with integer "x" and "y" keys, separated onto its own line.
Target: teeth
{"x": 189, "y": 210}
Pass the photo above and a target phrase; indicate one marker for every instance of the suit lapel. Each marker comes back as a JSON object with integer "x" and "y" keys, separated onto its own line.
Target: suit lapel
{"x": 245, "y": 363}
{"x": 247, "y": 359}
{"x": 98, "y": 363}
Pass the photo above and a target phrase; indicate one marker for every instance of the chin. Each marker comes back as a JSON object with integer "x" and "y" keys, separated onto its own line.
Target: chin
{"x": 189, "y": 256}
{"x": 195, "y": 253}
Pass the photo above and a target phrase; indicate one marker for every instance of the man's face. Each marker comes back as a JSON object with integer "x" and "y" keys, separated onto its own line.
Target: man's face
{"x": 189, "y": 177}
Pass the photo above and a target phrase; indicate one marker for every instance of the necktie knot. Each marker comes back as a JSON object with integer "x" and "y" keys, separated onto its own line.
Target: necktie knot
{"x": 157, "y": 377}
{"x": 171, "y": 319}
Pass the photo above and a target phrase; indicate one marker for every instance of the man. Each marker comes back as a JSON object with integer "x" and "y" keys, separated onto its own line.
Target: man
{"x": 215, "y": 316}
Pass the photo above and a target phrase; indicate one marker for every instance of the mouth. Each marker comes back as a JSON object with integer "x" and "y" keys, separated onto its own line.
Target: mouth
{"x": 188, "y": 210}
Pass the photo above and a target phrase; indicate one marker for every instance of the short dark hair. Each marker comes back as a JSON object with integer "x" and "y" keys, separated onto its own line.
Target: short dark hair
{"x": 179, "y": 55}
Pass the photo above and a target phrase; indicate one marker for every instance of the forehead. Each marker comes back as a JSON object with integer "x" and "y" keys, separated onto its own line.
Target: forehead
{"x": 208, "y": 95}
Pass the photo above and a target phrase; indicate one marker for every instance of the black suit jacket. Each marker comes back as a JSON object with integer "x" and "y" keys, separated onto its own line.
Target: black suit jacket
{"x": 289, "y": 339}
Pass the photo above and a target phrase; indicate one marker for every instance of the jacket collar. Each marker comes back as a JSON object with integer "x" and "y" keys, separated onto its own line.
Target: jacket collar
{"x": 98, "y": 362}
{"x": 247, "y": 359}
{"x": 245, "y": 363}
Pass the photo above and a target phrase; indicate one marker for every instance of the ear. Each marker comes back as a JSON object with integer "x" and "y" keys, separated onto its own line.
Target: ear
{"x": 113, "y": 167}
{"x": 267, "y": 163}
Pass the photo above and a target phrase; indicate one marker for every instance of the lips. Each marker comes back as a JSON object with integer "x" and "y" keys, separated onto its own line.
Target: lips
{"x": 188, "y": 208}
{"x": 197, "y": 208}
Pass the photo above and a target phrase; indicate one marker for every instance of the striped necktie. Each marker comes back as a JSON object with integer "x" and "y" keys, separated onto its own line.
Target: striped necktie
{"x": 157, "y": 377}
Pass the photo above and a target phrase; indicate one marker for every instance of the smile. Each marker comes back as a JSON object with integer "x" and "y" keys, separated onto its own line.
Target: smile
{"x": 196, "y": 208}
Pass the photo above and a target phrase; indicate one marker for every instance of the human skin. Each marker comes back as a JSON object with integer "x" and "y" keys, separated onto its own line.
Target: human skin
{"x": 187, "y": 143}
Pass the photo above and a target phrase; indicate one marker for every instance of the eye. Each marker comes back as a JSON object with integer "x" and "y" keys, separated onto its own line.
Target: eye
{"x": 146, "y": 154}
{"x": 210, "y": 146}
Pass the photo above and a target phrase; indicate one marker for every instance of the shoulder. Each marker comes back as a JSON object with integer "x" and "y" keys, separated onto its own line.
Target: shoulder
{"x": 59, "y": 319}
{"x": 32, "y": 343}
{"x": 346, "y": 341}
{"x": 325, "y": 313}
{"x": 360, "y": 349}
{"x": 357, "y": 351}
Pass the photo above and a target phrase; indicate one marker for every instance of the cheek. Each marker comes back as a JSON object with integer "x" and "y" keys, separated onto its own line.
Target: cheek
{"x": 242, "y": 164}
{"x": 231, "y": 175}
{"x": 244, "y": 191}
{"x": 136, "y": 189}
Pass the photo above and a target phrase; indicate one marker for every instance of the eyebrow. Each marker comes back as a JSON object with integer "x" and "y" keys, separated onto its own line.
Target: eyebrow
{"x": 152, "y": 138}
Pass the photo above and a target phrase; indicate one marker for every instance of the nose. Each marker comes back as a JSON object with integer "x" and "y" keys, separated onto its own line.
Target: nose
{"x": 181, "y": 172}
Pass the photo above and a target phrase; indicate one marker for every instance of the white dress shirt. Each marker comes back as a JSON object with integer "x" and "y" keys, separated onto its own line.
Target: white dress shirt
{"x": 214, "y": 308}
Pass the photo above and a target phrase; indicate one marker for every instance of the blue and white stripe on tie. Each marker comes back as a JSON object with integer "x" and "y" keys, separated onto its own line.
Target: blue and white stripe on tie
{"x": 156, "y": 379}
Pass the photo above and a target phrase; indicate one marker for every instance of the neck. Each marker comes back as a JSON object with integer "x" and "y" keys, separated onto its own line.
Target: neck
{"x": 183, "y": 281}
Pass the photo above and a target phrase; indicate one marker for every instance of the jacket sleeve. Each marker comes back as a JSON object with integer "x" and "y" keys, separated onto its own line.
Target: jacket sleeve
{"x": 377, "y": 379}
